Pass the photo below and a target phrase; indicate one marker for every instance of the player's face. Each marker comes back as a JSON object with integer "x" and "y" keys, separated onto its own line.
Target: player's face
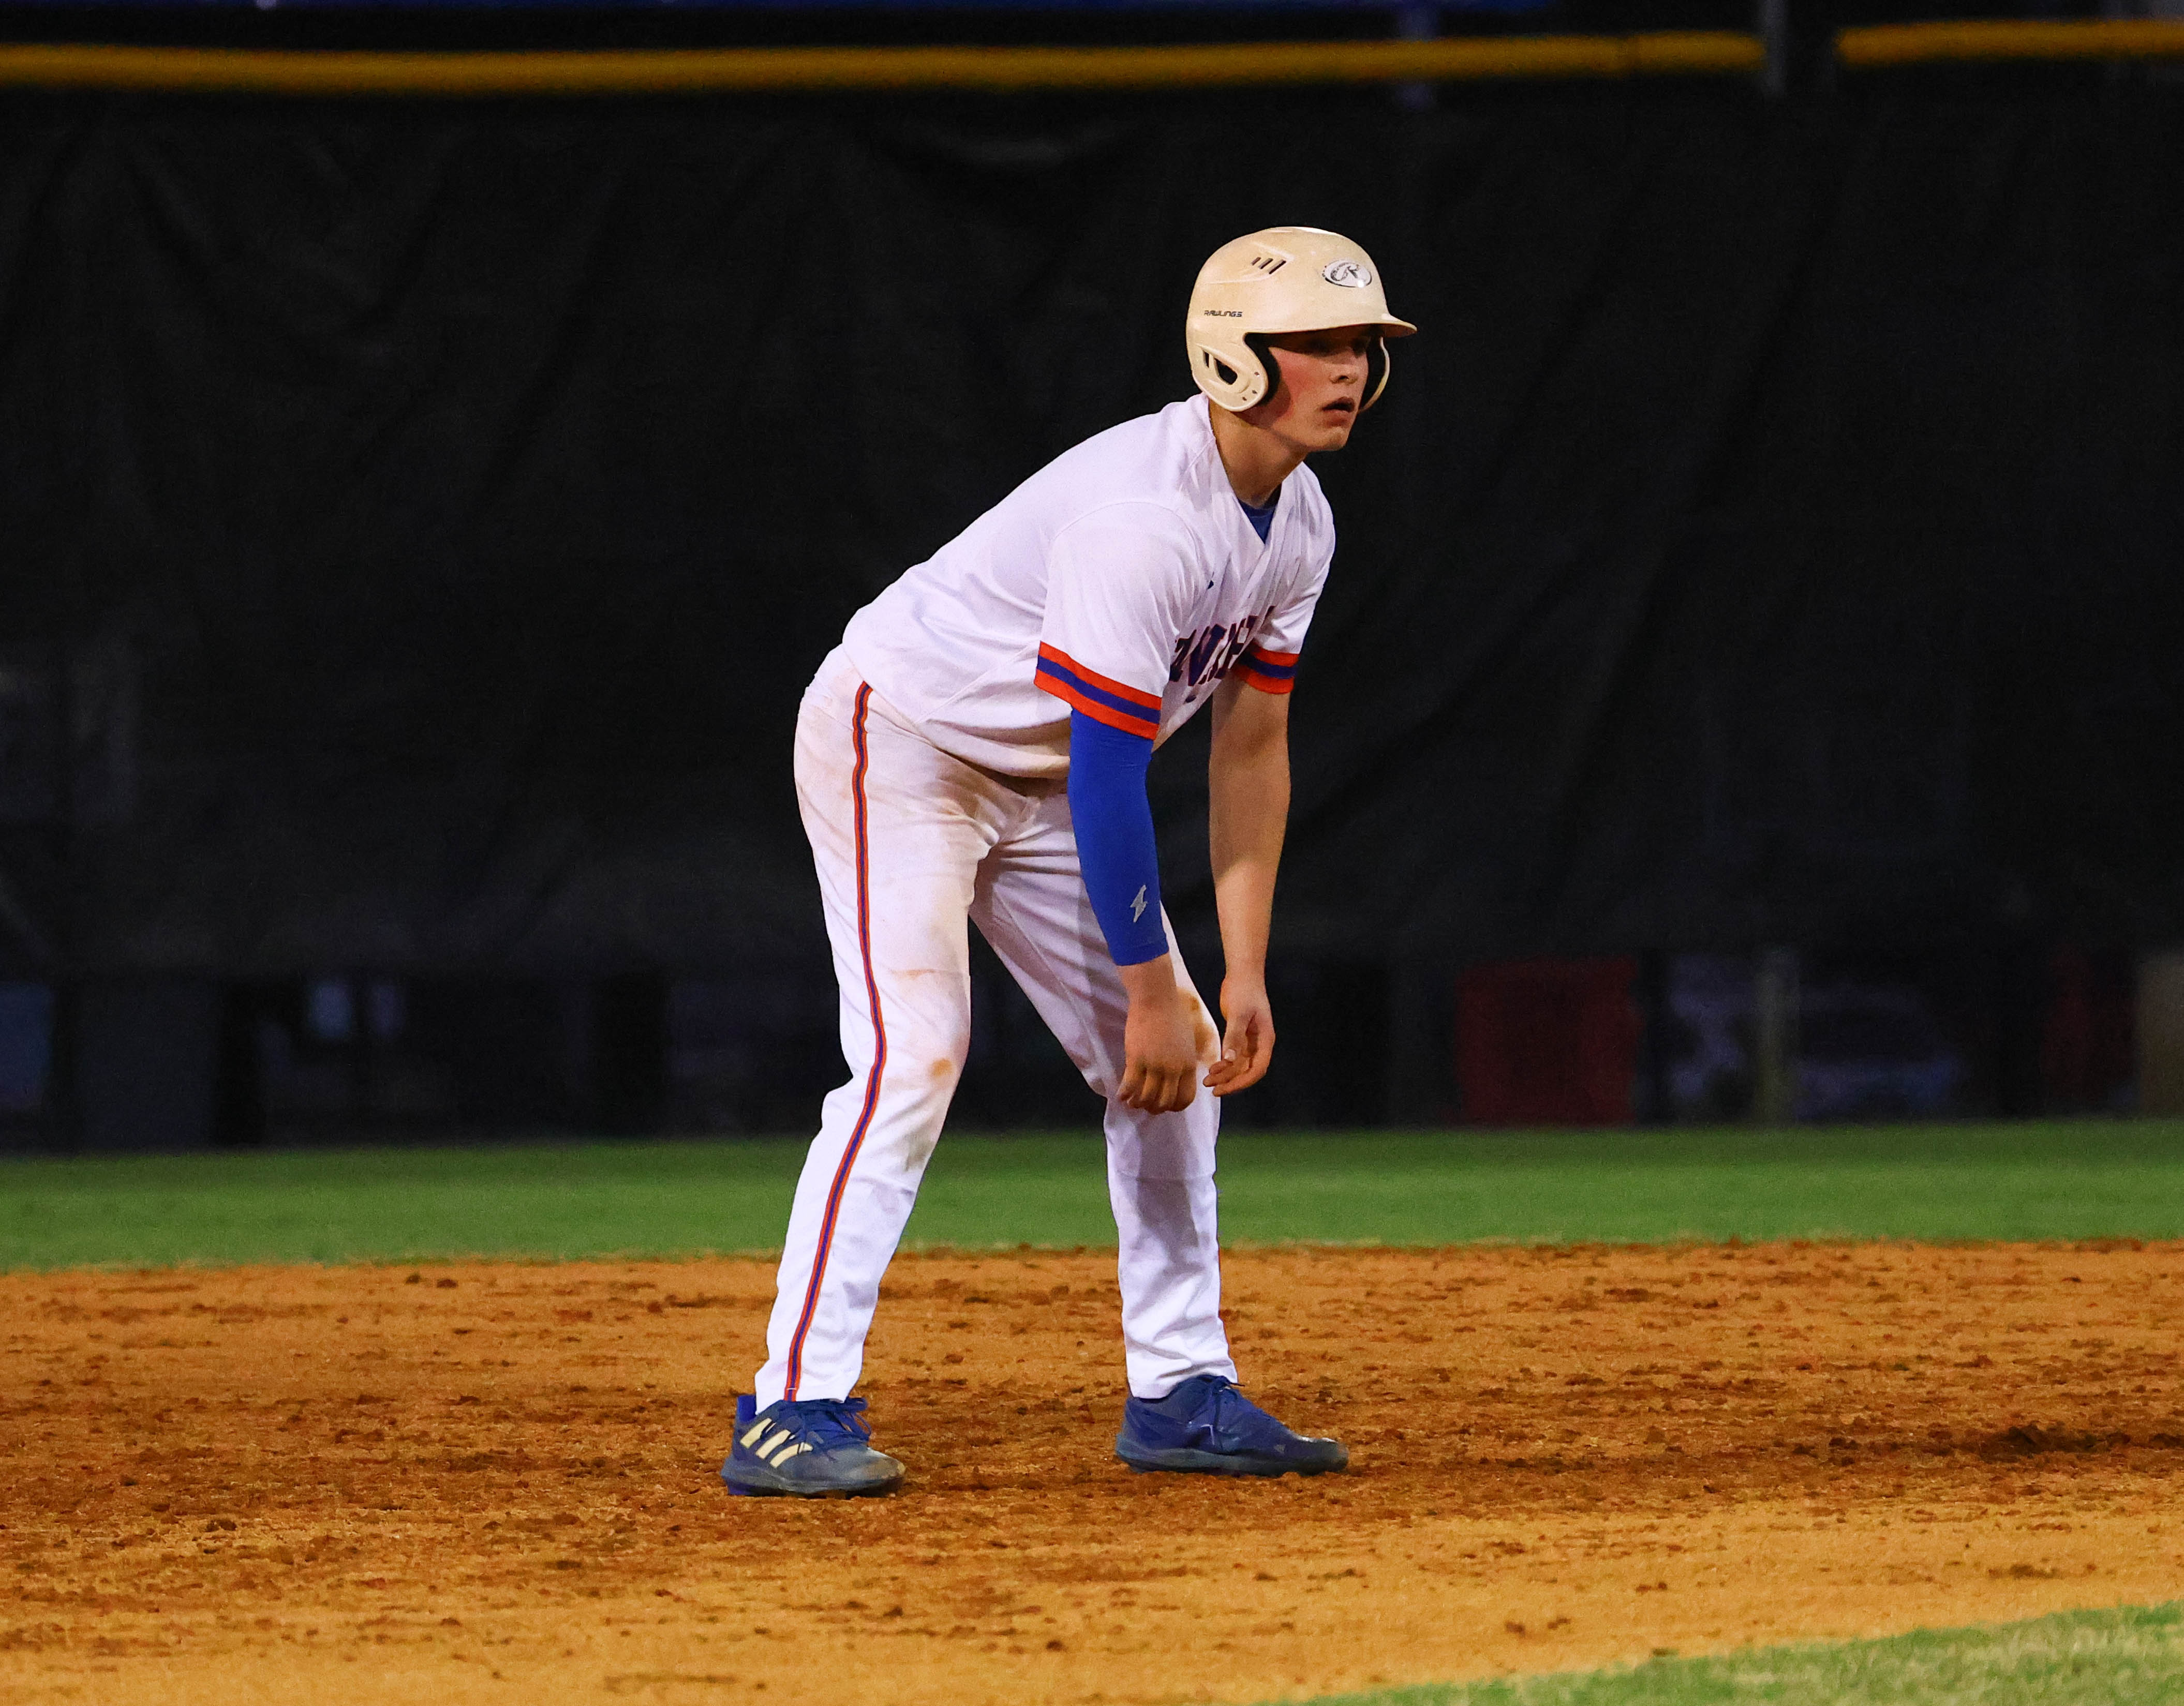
{"x": 1323, "y": 389}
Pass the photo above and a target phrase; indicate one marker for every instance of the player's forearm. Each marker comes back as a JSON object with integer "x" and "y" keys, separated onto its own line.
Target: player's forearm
{"x": 1115, "y": 847}
{"x": 1249, "y": 797}
{"x": 1151, "y": 982}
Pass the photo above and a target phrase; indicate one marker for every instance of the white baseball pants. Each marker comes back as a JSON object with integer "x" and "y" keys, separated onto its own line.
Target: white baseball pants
{"x": 909, "y": 842}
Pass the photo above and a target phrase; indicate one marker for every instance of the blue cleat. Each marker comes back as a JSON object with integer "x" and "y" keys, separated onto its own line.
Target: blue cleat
{"x": 1207, "y": 1427}
{"x": 809, "y": 1448}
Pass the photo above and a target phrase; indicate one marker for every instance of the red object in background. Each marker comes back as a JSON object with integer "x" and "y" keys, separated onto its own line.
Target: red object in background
{"x": 2086, "y": 1044}
{"x": 1547, "y": 1043}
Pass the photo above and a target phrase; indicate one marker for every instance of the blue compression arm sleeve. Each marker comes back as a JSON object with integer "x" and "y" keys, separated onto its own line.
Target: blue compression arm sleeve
{"x": 1115, "y": 836}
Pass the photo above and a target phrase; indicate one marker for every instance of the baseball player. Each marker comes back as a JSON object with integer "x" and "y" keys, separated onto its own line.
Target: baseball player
{"x": 976, "y": 749}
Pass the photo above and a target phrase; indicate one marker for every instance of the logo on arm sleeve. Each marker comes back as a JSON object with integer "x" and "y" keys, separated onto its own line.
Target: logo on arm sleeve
{"x": 1137, "y": 902}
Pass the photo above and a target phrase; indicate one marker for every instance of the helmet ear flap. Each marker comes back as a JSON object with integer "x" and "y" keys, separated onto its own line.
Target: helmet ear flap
{"x": 1377, "y": 366}
{"x": 1232, "y": 374}
{"x": 1259, "y": 344}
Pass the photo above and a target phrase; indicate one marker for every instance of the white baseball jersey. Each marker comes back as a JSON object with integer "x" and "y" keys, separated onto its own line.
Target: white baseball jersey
{"x": 1124, "y": 580}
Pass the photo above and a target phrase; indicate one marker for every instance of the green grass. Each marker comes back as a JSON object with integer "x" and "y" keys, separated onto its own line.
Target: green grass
{"x": 2128, "y": 1657}
{"x": 2051, "y": 1180}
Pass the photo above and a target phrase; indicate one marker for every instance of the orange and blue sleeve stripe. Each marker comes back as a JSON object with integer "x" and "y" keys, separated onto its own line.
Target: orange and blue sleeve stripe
{"x": 1103, "y": 700}
{"x": 1270, "y": 672}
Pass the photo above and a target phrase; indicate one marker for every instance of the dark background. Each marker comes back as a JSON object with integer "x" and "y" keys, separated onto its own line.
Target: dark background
{"x": 421, "y": 519}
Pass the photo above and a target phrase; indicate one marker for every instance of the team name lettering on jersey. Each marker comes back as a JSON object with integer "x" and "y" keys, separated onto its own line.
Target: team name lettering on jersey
{"x": 1201, "y": 658}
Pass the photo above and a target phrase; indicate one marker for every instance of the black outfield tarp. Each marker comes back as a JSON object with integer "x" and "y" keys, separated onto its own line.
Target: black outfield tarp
{"x": 423, "y": 518}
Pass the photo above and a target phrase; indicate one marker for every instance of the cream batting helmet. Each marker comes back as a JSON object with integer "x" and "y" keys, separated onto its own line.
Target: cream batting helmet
{"x": 1286, "y": 278}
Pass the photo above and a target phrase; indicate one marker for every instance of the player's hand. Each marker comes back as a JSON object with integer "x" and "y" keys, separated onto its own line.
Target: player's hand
{"x": 1247, "y": 1048}
{"x": 1161, "y": 1050}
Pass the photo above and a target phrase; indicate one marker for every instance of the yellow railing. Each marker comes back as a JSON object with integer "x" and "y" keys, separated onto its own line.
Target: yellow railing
{"x": 822, "y": 69}
{"x": 1674, "y": 53}
{"x": 1927, "y": 44}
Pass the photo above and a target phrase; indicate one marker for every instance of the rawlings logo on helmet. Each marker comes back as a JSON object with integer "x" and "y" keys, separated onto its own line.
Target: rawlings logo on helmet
{"x": 1349, "y": 275}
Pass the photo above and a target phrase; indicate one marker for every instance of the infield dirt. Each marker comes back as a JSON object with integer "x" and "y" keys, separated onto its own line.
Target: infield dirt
{"x": 496, "y": 1482}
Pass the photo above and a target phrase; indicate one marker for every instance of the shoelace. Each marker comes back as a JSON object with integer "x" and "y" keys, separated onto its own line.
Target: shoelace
{"x": 1228, "y": 1400}
{"x": 826, "y": 1422}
